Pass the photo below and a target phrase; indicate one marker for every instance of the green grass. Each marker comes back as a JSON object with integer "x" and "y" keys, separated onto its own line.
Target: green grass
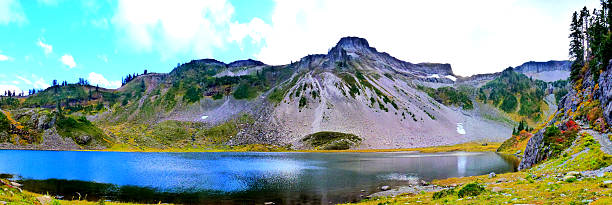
{"x": 332, "y": 140}
{"x": 75, "y": 127}
{"x": 449, "y": 96}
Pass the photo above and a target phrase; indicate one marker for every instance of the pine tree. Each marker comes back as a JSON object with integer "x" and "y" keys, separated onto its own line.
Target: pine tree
{"x": 576, "y": 50}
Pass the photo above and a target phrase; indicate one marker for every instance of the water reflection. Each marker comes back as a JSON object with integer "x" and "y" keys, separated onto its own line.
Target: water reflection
{"x": 236, "y": 178}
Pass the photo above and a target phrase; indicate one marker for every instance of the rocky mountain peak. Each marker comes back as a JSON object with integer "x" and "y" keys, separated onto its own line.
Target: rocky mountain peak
{"x": 353, "y": 44}
{"x": 533, "y": 66}
{"x": 204, "y": 62}
{"x": 245, "y": 63}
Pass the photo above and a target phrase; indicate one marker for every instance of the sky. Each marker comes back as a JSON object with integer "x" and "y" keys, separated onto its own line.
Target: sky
{"x": 104, "y": 40}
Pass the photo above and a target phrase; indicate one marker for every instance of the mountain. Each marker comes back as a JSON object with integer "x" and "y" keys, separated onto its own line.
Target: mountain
{"x": 352, "y": 97}
{"x": 546, "y": 71}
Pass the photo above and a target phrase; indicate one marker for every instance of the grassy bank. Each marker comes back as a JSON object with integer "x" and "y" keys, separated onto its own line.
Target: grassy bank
{"x": 465, "y": 147}
{"x": 545, "y": 183}
{"x": 12, "y": 195}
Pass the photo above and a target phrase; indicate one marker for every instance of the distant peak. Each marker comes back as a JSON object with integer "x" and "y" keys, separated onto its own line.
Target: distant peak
{"x": 207, "y": 61}
{"x": 353, "y": 42}
{"x": 245, "y": 63}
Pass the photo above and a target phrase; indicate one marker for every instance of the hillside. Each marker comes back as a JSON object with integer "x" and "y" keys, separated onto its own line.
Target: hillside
{"x": 353, "y": 89}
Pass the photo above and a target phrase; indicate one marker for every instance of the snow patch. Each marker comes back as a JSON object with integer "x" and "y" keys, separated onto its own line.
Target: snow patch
{"x": 204, "y": 117}
{"x": 453, "y": 78}
{"x": 460, "y": 129}
{"x": 434, "y": 76}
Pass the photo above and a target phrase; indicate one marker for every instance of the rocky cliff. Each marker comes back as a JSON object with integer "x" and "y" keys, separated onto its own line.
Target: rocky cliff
{"x": 547, "y": 71}
{"x": 588, "y": 101}
{"x": 605, "y": 89}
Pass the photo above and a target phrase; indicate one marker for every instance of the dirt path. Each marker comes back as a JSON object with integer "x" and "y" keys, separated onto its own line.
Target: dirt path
{"x": 604, "y": 141}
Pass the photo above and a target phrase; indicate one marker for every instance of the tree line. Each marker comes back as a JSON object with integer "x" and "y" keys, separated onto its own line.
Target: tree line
{"x": 590, "y": 40}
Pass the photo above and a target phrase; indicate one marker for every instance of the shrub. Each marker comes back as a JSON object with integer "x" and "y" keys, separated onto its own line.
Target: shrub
{"x": 331, "y": 140}
{"x": 443, "y": 193}
{"x": 509, "y": 104}
{"x": 471, "y": 189}
{"x": 4, "y": 122}
{"x": 192, "y": 95}
{"x": 217, "y": 96}
{"x": 303, "y": 102}
{"x": 244, "y": 91}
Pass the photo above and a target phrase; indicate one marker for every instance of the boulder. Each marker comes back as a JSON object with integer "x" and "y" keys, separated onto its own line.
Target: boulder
{"x": 606, "y": 184}
{"x": 44, "y": 200}
{"x": 82, "y": 140}
{"x": 569, "y": 178}
{"x": 573, "y": 173}
{"x": 491, "y": 175}
{"x": 384, "y": 188}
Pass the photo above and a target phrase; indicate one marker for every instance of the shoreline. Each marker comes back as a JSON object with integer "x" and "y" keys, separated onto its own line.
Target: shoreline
{"x": 463, "y": 147}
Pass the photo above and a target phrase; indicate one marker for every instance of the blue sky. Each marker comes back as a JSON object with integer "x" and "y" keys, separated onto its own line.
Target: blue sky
{"x": 105, "y": 40}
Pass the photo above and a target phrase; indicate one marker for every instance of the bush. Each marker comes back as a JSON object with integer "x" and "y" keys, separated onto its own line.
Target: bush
{"x": 443, "y": 193}
{"x": 303, "y": 102}
{"x": 244, "y": 91}
{"x": 4, "y": 122}
{"x": 509, "y": 103}
{"x": 192, "y": 95}
{"x": 217, "y": 96}
{"x": 471, "y": 189}
{"x": 331, "y": 140}
{"x": 449, "y": 96}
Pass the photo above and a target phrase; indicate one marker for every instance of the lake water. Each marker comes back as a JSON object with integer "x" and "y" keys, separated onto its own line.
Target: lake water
{"x": 235, "y": 177}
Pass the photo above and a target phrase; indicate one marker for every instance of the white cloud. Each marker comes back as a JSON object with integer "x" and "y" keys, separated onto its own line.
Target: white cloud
{"x": 68, "y": 60}
{"x": 475, "y": 36}
{"x": 190, "y": 27}
{"x": 257, "y": 29}
{"x": 12, "y": 88}
{"x": 5, "y": 58}
{"x": 35, "y": 81}
{"x": 46, "y": 47}
{"x": 98, "y": 79}
{"x": 11, "y": 11}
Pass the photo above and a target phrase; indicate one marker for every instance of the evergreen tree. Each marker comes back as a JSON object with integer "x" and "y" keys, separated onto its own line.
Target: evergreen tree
{"x": 576, "y": 50}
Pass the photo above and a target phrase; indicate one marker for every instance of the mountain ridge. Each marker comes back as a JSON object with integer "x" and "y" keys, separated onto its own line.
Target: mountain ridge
{"x": 352, "y": 89}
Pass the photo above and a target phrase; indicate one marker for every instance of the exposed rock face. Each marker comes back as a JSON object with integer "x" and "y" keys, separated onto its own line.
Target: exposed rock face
{"x": 204, "y": 62}
{"x": 547, "y": 71}
{"x": 534, "y": 152}
{"x": 533, "y": 66}
{"x": 478, "y": 79}
{"x": 605, "y": 89}
{"x": 245, "y": 63}
{"x": 438, "y": 68}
